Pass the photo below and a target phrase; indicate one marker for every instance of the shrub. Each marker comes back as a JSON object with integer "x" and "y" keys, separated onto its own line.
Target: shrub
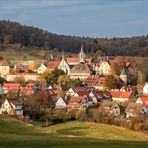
{"x": 97, "y": 115}
{"x": 138, "y": 126}
{"x": 60, "y": 118}
{"x": 80, "y": 115}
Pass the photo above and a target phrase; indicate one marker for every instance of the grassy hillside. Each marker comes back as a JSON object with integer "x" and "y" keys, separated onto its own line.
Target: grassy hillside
{"x": 16, "y": 56}
{"x": 17, "y": 134}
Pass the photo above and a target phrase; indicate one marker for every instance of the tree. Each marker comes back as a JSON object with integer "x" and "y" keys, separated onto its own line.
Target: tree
{"x": 80, "y": 115}
{"x": 42, "y": 54}
{"x": 110, "y": 82}
{"x": 97, "y": 115}
{"x": 51, "y": 77}
{"x": 8, "y": 39}
{"x": 99, "y": 53}
{"x": 74, "y": 83}
{"x": 20, "y": 80}
{"x": 63, "y": 80}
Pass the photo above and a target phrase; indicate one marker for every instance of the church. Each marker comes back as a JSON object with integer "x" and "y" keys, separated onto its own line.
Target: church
{"x": 81, "y": 70}
{"x": 76, "y": 68}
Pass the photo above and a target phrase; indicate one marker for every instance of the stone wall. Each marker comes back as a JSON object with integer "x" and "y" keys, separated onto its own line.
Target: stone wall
{"x": 34, "y": 77}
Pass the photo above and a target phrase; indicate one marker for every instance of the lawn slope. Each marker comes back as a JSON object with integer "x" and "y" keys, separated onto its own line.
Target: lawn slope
{"x": 16, "y": 134}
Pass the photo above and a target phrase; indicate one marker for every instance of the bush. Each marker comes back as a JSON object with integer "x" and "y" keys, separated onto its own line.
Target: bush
{"x": 138, "y": 126}
{"x": 60, "y": 118}
{"x": 80, "y": 115}
{"x": 97, "y": 115}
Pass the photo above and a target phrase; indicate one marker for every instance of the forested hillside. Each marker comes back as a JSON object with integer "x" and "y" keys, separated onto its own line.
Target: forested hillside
{"x": 13, "y": 32}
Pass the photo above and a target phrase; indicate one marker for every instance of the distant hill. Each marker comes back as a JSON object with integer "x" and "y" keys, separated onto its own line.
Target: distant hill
{"x": 29, "y": 36}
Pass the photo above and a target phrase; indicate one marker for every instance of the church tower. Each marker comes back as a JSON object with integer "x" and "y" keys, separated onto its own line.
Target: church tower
{"x": 123, "y": 76}
{"x": 81, "y": 55}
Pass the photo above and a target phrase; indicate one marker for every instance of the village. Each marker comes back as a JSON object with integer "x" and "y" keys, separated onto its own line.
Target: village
{"x": 95, "y": 94}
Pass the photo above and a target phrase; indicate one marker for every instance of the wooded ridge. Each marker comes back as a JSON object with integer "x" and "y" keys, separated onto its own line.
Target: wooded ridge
{"x": 29, "y": 36}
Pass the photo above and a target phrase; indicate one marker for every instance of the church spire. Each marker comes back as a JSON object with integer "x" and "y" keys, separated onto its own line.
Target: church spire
{"x": 81, "y": 55}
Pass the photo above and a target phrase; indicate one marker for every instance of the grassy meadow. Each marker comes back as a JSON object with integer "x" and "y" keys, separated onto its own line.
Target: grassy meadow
{"x": 15, "y": 56}
{"x": 16, "y": 134}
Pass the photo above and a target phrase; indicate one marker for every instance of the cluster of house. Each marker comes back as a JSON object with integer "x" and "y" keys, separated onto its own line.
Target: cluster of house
{"x": 78, "y": 98}
{"x": 74, "y": 98}
{"x": 92, "y": 72}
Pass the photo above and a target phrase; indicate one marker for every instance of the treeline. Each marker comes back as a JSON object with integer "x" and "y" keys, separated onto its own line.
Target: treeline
{"x": 13, "y": 32}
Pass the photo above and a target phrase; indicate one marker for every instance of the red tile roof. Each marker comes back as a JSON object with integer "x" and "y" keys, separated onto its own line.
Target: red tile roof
{"x": 95, "y": 80}
{"x": 11, "y": 86}
{"x": 126, "y": 94}
{"x": 83, "y": 93}
{"x": 75, "y": 99}
{"x": 53, "y": 65}
{"x": 78, "y": 89}
{"x": 72, "y": 60}
{"x": 144, "y": 99}
{"x": 119, "y": 94}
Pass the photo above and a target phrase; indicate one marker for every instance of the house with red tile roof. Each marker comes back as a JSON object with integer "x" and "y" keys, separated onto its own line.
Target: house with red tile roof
{"x": 144, "y": 101}
{"x": 78, "y": 102}
{"x": 4, "y": 68}
{"x": 72, "y": 91}
{"x": 11, "y": 107}
{"x": 120, "y": 96}
{"x": 134, "y": 110}
{"x": 97, "y": 82}
{"x": 110, "y": 108}
{"x": 82, "y": 93}
{"x": 72, "y": 61}
{"x": 11, "y": 87}
{"x": 28, "y": 89}
{"x": 52, "y": 65}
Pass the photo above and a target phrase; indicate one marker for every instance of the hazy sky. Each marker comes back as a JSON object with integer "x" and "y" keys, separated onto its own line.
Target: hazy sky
{"x": 94, "y": 18}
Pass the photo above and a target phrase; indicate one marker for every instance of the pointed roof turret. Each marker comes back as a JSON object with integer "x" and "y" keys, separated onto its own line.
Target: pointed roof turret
{"x": 123, "y": 72}
{"x": 81, "y": 55}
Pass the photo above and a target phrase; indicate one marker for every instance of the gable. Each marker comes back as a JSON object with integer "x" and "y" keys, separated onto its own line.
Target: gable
{"x": 60, "y": 102}
{"x": 70, "y": 92}
{"x": 139, "y": 101}
{"x": 145, "y": 88}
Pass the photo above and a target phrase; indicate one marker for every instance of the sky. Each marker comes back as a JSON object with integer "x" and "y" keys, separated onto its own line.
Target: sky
{"x": 93, "y": 18}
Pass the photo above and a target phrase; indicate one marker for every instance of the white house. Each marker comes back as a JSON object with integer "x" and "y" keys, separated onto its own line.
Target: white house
{"x": 41, "y": 69}
{"x": 93, "y": 97}
{"x": 104, "y": 68}
{"x": 145, "y": 88}
{"x": 70, "y": 92}
{"x": 109, "y": 107}
{"x": 11, "y": 107}
{"x": 60, "y": 103}
{"x": 78, "y": 102}
{"x": 64, "y": 66}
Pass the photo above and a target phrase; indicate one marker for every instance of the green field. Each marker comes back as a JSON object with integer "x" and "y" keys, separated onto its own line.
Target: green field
{"x": 15, "y": 56}
{"x": 16, "y": 134}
